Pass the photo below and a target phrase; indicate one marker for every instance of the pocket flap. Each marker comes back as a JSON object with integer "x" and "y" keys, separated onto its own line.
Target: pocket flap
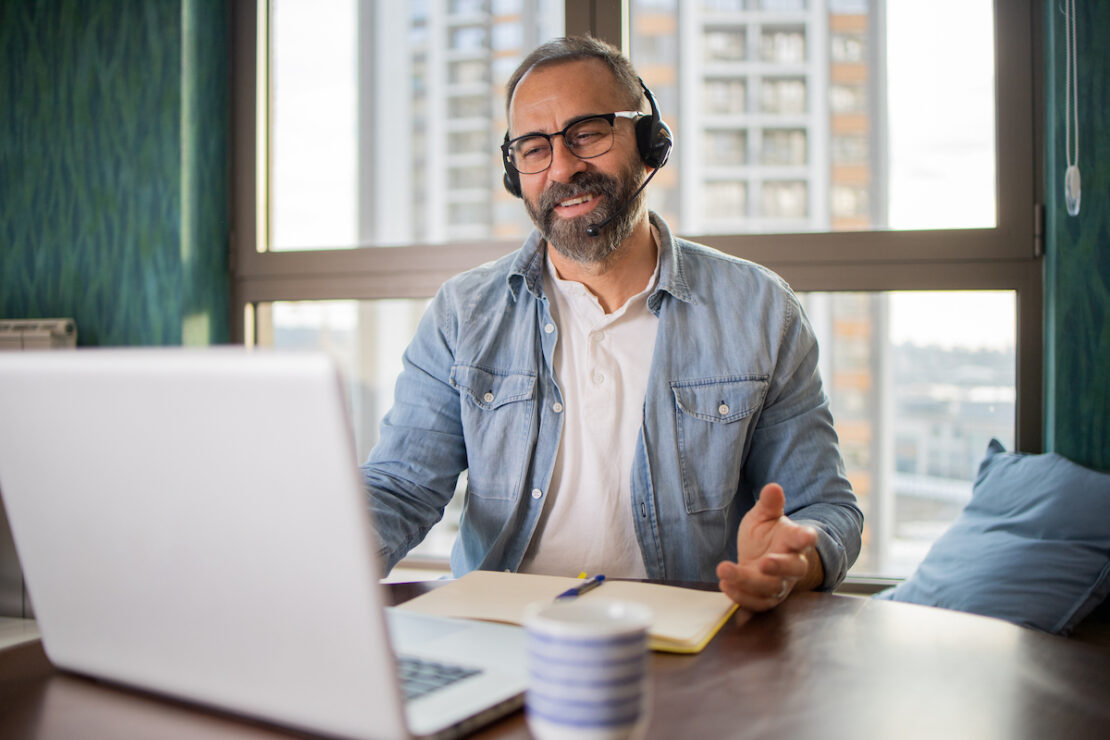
{"x": 720, "y": 400}
{"x": 491, "y": 389}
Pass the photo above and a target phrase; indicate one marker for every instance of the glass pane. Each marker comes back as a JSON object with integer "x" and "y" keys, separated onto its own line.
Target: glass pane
{"x": 314, "y": 127}
{"x": 918, "y": 383}
{"x": 366, "y": 339}
{"x": 847, "y": 128}
{"x": 387, "y": 115}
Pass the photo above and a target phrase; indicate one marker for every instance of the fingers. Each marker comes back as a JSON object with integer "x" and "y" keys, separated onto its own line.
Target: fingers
{"x": 771, "y": 503}
{"x": 792, "y": 566}
{"x": 752, "y": 588}
{"x": 771, "y": 554}
{"x": 756, "y": 602}
{"x": 796, "y": 537}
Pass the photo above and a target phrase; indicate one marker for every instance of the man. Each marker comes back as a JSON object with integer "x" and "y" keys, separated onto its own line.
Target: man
{"x": 625, "y": 402}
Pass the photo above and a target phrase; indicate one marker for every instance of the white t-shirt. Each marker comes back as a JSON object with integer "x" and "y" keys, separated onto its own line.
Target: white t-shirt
{"x": 602, "y": 363}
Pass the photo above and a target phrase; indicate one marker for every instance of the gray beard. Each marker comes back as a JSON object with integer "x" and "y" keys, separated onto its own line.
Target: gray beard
{"x": 568, "y": 236}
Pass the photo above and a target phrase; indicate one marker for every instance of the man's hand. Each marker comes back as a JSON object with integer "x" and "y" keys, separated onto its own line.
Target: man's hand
{"x": 774, "y": 555}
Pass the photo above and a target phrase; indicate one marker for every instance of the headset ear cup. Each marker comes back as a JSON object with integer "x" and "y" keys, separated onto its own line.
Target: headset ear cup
{"x": 512, "y": 183}
{"x": 654, "y": 140}
{"x": 511, "y": 179}
{"x": 645, "y": 127}
{"x": 660, "y": 148}
{"x": 653, "y": 136}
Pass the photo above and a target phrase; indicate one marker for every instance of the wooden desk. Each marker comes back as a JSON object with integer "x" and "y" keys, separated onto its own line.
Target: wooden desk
{"x": 819, "y": 666}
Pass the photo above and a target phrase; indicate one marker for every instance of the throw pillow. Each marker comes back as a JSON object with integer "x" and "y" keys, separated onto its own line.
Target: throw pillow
{"x": 1032, "y": 546}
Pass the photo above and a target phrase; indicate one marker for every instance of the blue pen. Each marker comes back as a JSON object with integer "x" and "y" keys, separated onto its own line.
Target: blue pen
{"x": 588, "y": 585}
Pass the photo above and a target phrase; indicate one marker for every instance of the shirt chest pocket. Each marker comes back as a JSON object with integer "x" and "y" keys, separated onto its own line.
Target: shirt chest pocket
{"x": 495, "y": 408}
{"x": 713, "y": 419}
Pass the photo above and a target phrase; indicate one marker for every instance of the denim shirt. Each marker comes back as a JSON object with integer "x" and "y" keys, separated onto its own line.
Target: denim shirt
{"x": 734, "y": 401}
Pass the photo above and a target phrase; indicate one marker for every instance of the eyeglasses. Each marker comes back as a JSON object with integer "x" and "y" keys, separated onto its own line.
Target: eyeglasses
{"x": 585, "y": 138}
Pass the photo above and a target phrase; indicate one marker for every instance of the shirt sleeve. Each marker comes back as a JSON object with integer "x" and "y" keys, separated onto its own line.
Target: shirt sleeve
{"x": 795, "y": 445}
{"x": 411, "y": 474}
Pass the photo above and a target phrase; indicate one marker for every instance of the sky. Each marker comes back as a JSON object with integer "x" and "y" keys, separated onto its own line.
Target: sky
{"x": 940, "y": 77}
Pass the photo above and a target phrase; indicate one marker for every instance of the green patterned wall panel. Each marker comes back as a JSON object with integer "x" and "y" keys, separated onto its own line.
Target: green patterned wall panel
{"x": 1077, "y": 270}
{"x": 113, "y": 167}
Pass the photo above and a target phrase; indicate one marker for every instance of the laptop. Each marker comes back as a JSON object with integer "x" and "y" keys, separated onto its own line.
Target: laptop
{"x": 191, "y": 522}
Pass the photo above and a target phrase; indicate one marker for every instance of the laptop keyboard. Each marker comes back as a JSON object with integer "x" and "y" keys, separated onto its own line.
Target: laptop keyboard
{"x": 420, "y": 676}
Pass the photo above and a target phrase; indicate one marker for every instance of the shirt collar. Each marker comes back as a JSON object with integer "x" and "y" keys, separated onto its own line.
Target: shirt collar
{"x": 672, "y": 276}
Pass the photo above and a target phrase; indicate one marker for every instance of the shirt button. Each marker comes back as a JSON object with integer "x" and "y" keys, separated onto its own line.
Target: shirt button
{"x": 536, "y": 493}
{"x": 548, "y": 328}
{"x": 557, "y": 407}
{"x": 598, "y": 378}
{"x": 722, "y": 409}
{"x": 597, "y": 336}
{"x": 488, "y": 398}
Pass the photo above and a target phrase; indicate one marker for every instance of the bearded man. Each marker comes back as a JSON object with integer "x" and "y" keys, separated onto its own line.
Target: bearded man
{"x": 624, "y": 402}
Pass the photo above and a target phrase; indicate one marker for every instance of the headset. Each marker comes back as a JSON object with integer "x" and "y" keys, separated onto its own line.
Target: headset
{"x": 653, "y": 139}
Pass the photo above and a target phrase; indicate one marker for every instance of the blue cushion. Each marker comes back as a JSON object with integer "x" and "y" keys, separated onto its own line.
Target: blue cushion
{"x": 1032, "y": 546}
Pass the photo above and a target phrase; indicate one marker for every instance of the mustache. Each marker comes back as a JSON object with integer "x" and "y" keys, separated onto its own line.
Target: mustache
{"x": 586, "y": 182}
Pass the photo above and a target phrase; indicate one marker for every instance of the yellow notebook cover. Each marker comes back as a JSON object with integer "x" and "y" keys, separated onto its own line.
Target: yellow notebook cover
{"x": 685, "y": 619}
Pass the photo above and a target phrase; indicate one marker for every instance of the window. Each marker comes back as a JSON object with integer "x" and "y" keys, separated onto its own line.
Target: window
{"x": 782, "y": 45}
{"x": 784, "y": 147}
{"x": 783, "y": 95}
{"x": 848, "y": 98}
{"x": 313, "y": 177}
{"x": 785, "y": 199}
{"x": 377, "y": 107}
{"x": 366, "y": 339}
{"x": 468, "y": 142}
{"x": 847, "y": 47}
{"x": 725, "y": 96}
{"x": 725, "y": 45}
{"x": 469, "y": 73}
{"x": 850, "y": 149}
{"x": 851, "y": 83}
{"x": 794, "y": 121}
{"x": 850, "y": 200}
{"x": 468, "y": 39}
{"x": 909, "y": 368}
{"x": 467, "y": 178}
{"x": 726, "y": 148}
{"x": 726, "y": 200}
{"x": 469, "y": 106}
{"x": 507, "y": 36}
{"x": 343, "y": 327}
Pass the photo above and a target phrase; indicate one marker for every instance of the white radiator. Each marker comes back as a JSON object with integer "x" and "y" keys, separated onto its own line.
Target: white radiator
{"x": 20, "y": 334}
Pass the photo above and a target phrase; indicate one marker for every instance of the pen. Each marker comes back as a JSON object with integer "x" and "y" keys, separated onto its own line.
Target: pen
{"x": 588, "y": 585}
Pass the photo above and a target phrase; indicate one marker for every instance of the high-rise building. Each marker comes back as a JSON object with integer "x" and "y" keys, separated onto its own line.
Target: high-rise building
{"x": 434, "y": 116}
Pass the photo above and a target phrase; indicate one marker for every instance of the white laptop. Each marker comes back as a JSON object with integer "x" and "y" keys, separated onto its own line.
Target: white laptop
{"x": 192, "y": 523}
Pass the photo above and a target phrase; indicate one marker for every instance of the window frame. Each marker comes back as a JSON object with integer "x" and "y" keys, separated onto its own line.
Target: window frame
{"x": 1006, "y": 257}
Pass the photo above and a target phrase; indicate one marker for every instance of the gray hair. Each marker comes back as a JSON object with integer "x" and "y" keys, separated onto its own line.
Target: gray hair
{"x": 574, "y": 48}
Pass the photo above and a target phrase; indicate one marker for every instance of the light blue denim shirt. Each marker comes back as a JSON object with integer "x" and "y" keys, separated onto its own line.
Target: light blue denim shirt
{"x": 734, "y": 401}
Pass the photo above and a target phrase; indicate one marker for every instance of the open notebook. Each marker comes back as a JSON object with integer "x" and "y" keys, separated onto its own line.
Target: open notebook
{"x": 685, "y": 619}
{"x": 192, "y": 523}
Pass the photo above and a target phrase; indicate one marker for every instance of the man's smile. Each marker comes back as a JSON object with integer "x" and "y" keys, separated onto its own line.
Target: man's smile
{"x": 576, "y": 206}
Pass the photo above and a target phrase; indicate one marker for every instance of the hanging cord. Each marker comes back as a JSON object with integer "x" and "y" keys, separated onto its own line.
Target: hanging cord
{"x": 1072, "y": 190}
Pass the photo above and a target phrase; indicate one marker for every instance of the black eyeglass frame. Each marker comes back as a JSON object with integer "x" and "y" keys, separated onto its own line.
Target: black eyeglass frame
{"x": 631, "y": 115}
